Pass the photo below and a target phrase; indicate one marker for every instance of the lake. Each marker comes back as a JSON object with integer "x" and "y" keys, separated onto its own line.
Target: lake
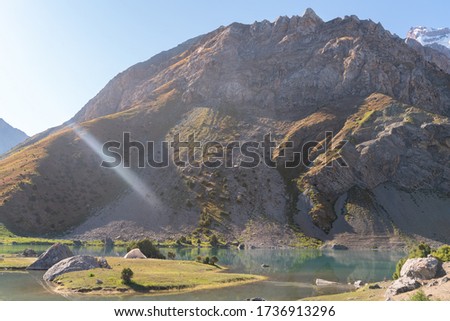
{"x": 291, "y": 273}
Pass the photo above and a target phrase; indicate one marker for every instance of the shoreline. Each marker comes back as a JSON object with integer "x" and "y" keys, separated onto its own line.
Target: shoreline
{"x": 110, "y": 292}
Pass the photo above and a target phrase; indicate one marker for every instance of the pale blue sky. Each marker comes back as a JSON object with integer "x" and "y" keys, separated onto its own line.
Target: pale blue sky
{"x": 57, "y": 54}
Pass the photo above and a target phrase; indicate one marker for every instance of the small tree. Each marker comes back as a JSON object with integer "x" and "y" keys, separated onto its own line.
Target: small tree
{"x": 206, "y": 260}
{"x": 421, "y": 250}
{"x": 213, "y": 240}
{"x": 199, "y": 258}
{"x": 127, "y": 274}
{"x": 442, "y": 253}
{"x": 213, "y": 260}
{"x": 398, "y": 268}
{"x": 171, "y": 255}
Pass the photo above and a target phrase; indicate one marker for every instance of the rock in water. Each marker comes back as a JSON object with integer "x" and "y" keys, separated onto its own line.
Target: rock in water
{"x": 339, "y": 247}
{"x": 53, "y": 255}
{"x": 74, "y": 263}
{"x": 322, "y": 282}
{"x": 135, "y": 254}
{"x": 420, "y": 269}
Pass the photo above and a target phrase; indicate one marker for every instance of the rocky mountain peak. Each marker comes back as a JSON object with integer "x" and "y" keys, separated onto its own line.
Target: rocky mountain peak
{"x": 310, "y": 18}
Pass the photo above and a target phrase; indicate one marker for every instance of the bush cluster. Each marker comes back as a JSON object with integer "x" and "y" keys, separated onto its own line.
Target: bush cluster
{"x": 147, "y": 248}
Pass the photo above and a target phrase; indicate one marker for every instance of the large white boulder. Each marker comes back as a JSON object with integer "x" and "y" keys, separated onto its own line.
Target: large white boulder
{"x": 135, "y": 254}
{"x": 421, "y": 268}
{"x": 75, "y": 263}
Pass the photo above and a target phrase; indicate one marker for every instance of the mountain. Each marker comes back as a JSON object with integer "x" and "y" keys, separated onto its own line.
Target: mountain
{"x": 9, "y": 136}
{"x": 433, "y": 44}
{"x": 377, "y": 175}
{"x": 431, "y": 37}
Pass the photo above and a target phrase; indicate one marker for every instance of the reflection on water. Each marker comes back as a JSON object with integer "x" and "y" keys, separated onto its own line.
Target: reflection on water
{"x": 291, "y": 273}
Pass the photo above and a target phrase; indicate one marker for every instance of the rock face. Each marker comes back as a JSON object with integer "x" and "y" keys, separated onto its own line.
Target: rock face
{"x": 401, "y": 285}
{"x": 135, "y": 254}
{"x": 9, "y": 136}
{"x": 421, "y": 268}
{"x": 53, "y": 255}
{"x": 74, "y": 263}
{"x": 296, "y": 78}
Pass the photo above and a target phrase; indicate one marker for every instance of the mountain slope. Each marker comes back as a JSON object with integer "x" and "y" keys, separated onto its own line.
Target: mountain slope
{"x": 9, "y": 136}
{"x": 296, "y": 78}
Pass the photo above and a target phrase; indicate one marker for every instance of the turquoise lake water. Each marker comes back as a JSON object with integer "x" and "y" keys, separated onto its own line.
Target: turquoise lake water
{"x": 291, "y": 273}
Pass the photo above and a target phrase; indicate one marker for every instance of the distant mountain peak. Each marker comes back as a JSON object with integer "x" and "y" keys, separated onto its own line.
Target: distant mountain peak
{"x": 9, "y": 136}
{"x": 429, "y": 36}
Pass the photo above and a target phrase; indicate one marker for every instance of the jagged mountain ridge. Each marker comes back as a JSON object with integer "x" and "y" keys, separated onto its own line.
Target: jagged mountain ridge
{"x": 304, "y": 46}
{"x": 296, "y": 78}
{"x": 9, "y": 136}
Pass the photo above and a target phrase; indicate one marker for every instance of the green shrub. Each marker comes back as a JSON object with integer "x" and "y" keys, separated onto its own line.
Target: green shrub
{"x": 421, "y": 250}
{"x": 213, "y": 260}
{"x": 206, "y": 260}
{"x": 419, "y": 296}
{"x": 171, "y": 255}
{"x": 442, "y": 253}
{"x": 126, "y": 276}
{"x": 147, "y": 248}
{"x": 199, "y": 258}
{"x": 398, "y": 268}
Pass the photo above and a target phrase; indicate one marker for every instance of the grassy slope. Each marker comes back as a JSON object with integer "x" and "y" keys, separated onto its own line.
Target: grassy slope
{"x": 151, "y": 275}
{"x": 7, "y": 237}
{"x": 41, "y": 183}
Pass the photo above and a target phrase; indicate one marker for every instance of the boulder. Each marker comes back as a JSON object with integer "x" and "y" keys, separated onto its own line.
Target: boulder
{"x": 241, "y": 246}
{"x": 53, "y": 255}
{"x": 74, "y": 263}
{"x": 135, "y": 254}
{"x": 339, "y": 247}
{"x": 401, "y": 285}
{"x": 358, "y": 284}
{"x": 421, "y": 268}
{"x": 322, "y": 282}
{"x": 265, "y": 265}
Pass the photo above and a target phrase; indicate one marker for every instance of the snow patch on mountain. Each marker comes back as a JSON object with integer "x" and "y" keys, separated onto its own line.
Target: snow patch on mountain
{"x": 430, "y": 36}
